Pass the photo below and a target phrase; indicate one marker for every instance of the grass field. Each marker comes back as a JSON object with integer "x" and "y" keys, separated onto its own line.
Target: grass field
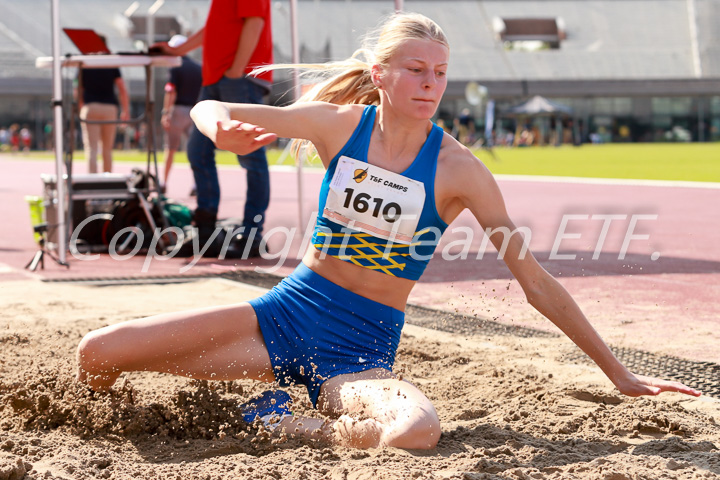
{"x": 652, "y": 161}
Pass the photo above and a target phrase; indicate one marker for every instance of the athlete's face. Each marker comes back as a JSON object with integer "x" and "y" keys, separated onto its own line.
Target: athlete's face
{"x": 415, "y": 78}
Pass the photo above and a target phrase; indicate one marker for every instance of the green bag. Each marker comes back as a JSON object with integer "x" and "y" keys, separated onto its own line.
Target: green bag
{"x": 177, "y": 214}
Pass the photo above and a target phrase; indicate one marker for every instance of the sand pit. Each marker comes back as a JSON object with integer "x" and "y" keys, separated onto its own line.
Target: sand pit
{"x": 511, "y": 408}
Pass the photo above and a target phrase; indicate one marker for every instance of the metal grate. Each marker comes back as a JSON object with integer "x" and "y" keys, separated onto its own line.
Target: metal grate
{"x": 704, "y": 376}
{"x": 467, "y": 325}
{"x": 140, "y": 280}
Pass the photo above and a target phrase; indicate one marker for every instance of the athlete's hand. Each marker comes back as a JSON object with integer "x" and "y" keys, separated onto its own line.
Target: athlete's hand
{"x": 162, "y": 47}
{"x": 241, "y": 138}
{"x": 637, "y": 385}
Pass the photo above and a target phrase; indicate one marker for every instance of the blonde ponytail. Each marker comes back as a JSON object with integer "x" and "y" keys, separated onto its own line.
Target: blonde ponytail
{"x": 342, "y": 83}
{"x": 352, "y": 85}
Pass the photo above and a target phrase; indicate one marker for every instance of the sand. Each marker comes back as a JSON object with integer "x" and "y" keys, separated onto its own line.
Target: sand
{"x": 511, "y": 407}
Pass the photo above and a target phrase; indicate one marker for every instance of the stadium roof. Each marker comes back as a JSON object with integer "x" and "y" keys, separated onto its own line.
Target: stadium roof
{"x": 602, "y": 41}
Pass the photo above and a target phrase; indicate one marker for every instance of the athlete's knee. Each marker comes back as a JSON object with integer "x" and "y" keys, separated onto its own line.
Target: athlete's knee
{"x": 417, "y": 429}
{"x": 88, "y": 350}
{"x": 93, "y": 359}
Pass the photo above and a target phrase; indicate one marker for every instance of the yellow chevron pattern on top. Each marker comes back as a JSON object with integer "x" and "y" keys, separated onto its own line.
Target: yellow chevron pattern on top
{"x": 364, "y": 253}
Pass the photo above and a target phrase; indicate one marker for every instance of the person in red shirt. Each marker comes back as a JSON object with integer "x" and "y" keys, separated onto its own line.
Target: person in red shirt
{"x": 236, "y": 38}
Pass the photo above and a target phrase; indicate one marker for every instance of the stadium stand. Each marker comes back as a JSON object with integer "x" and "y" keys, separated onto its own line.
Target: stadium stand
{"x": 651, "y": 63}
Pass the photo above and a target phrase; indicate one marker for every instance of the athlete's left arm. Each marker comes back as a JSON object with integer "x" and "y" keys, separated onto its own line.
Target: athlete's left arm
{"x": 476, "y": 189}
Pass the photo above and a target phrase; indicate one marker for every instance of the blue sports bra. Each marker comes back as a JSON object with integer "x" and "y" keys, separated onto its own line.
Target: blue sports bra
{"x": 406, "y": 259}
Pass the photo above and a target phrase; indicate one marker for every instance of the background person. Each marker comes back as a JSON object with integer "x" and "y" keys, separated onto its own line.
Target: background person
{"x": 4, "y": 139}
{"x": 466, "y": 127}
{"x": 97, "y": 95}
{"x": 25, "y": 138}
{"x": 14, "y": 137}
{"x": 236, "y": 38}
{"x": 181, "y": 93}
{"x": 334, "y": 324}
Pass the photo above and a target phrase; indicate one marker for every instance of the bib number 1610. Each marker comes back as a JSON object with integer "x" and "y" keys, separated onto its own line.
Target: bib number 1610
{"x": 361, "y": 203}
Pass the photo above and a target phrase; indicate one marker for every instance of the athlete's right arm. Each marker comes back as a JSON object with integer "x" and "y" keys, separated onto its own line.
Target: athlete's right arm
{"x": 326, "y": 125}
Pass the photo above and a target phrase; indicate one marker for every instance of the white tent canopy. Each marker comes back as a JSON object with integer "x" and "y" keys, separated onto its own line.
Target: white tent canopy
{"x": 538, "y": 106}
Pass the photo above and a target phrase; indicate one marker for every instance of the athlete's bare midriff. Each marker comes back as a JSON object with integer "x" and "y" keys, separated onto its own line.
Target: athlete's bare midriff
{"x": 377, "y": 286}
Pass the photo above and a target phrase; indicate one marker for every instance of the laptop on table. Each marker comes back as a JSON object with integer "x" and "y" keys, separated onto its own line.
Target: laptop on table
{"x": 89, "y": 42}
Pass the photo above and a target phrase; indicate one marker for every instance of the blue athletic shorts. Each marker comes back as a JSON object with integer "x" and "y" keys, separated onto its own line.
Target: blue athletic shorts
{"x": 315, "y": 330}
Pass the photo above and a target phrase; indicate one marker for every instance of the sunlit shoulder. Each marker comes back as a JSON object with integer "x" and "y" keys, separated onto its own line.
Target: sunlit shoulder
{"x": 458, "y": 162}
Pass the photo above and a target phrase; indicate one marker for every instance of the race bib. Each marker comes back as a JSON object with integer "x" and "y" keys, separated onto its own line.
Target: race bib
{"x": 373, "y": 200}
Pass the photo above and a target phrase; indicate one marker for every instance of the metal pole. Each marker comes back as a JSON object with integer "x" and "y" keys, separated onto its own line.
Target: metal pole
{"x": 297, "y": 92}
{"x": 58, "y": 132}
{"x": 151, "y": 21}
{"x": 701, "y": 119}
{"x": 150, "y": 86}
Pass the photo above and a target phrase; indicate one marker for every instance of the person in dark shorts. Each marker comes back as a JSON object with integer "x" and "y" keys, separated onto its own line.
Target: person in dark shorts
{"x": 98, "y": 102}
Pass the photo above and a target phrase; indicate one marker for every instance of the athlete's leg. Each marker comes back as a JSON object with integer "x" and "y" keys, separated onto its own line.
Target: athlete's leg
{"x": 168, "y": 161}
{"x": 215, "y": 343}
{"x": 108, "y": 134}
{"x": 90, "y": 136}
{"x": 373, "y": 408}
